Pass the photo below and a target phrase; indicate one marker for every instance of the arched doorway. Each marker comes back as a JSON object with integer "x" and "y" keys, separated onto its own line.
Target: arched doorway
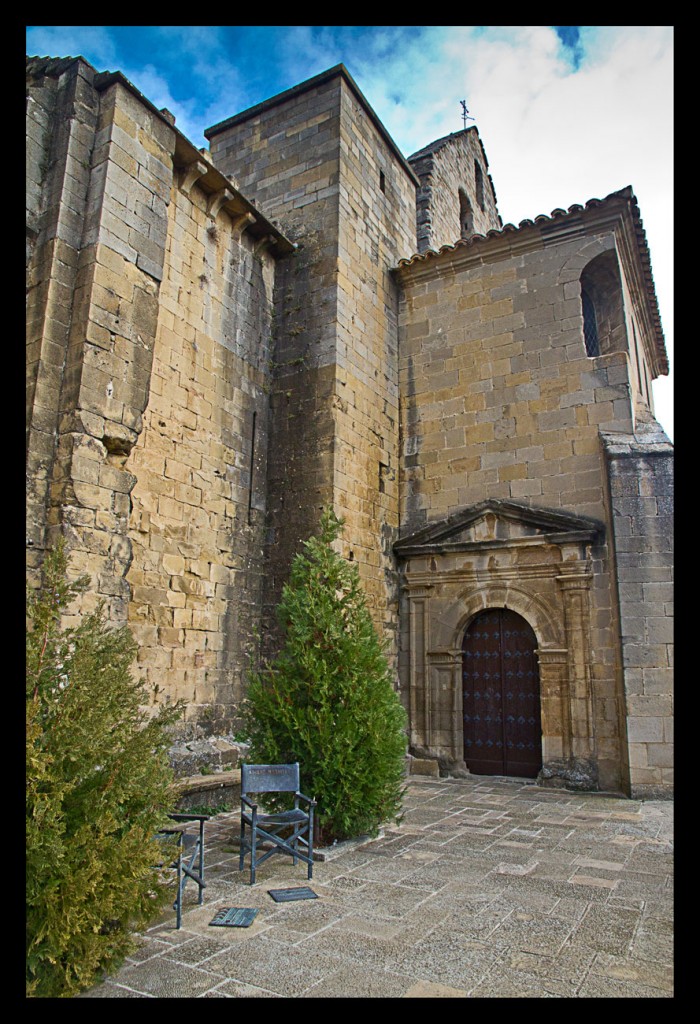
{"x": 501, "y": 696}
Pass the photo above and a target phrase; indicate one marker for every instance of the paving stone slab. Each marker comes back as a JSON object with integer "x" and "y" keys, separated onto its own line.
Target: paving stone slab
{"x": 508, "y": 984}
{"x": 429, "y": 990}
{"x": 239, "y": 990}
{"x": 629, "y": 969}
{"x": 166, "y": 979}
{"x": 608, "y": 929}
{"x": 447, "y": 960}
{"x": 571, "y": 963}
{"x": 271, "y": 965}
{"x": 390, "y": 901}
{"x": 532, "y": 933}
{"x": 112, "y": 991}
{"x": 596, "y": 987}
{"x": 655, "y": 944}
{"x": 195, "y": 952}
{"x": 360, "y": 983}
{"x": 482, "y": 898}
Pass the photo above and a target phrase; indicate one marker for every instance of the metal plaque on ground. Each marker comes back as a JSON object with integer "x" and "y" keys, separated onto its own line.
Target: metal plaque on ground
{"x": 287, "y": 895}
{"x": 234, "y": 917}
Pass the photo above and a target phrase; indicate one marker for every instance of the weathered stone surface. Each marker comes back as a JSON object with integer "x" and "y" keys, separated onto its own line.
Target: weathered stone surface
{"x": 201, "y": 380}
{"x": 570, "y": 773}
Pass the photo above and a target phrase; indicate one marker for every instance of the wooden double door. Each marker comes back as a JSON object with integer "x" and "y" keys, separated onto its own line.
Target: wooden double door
{"x": 501, "y": 696}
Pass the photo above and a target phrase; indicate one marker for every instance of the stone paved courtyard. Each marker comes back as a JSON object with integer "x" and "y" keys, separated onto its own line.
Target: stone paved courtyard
{"x": 489, "y": 887}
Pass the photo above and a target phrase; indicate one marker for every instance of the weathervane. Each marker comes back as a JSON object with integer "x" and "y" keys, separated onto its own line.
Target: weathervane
{"x": 465, "y": 113}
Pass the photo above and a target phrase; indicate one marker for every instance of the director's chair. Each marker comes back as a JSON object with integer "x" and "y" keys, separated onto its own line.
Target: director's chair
{"x": 297, "y": 823}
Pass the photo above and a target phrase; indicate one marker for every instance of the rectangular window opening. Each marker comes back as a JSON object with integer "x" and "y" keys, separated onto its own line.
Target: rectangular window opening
{"x": 383, "y": 470}
{"x": 252, "y": 466}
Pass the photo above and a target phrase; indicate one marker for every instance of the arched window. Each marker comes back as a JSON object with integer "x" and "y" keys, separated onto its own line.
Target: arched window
{"x": 602, "y": 306}
{"x": 479, "y": 184}
{"x": 466, "y": 216}
{"x": 590, "y": 327}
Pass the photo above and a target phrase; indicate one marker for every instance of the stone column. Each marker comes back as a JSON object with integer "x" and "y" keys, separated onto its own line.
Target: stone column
{"x": 420, "y": 705}
{"x": 458, "y": 763}
{"x": 554, "y": 699}
{"x": 443, "y": 737}
{"x": 577, "y": 767}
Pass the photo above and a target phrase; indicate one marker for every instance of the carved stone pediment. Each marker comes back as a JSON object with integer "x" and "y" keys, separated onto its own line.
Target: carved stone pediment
{"x": 499, "y": 523}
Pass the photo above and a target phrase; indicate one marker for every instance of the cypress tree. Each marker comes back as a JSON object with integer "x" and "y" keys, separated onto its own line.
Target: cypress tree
{"x": 98, "y": 784}
{"x": 327, "y": 699}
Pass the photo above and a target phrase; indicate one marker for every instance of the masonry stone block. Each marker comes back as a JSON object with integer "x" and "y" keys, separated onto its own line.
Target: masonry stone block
{"x": 231, "y": 390}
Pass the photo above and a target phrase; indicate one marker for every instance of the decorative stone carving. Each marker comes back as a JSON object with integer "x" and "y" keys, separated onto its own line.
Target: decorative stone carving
{"x": 532, "y": 561}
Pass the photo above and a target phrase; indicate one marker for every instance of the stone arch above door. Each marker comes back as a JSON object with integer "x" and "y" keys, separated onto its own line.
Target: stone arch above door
{"x": 536, "y": 562}
{"x": 532, "y": 607}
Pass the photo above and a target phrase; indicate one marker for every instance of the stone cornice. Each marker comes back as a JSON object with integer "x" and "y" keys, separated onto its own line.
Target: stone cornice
{"x": 426, "y": 578}
{"x": 195, "y": 163}
{"x": 618, "y": 213}
{"x": 222, "y": 194}
{"x": 554, "y": 526}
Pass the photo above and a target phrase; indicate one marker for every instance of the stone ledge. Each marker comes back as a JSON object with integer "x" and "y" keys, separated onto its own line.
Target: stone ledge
{"x": 216, "y": 789}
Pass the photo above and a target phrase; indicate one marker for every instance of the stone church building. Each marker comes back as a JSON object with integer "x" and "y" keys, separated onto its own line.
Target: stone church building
{"x": 220, "y": 342}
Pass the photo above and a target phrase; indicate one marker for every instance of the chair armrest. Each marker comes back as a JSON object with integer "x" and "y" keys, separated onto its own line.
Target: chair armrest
{"x": 189, "y": 817}
{"x": 249, "y": 803}
{"x": 310, "y": 801}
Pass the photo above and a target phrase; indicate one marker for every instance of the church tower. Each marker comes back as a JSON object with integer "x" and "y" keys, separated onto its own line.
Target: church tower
{"x": 456, "y": 198}
{"x": 317, "y": 160}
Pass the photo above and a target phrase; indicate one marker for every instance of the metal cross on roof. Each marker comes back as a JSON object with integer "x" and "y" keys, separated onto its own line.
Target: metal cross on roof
{"x": 465, "y": 113}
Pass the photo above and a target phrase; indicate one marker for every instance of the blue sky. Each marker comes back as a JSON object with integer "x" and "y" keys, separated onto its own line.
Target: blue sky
{"x": 565, "y": 113}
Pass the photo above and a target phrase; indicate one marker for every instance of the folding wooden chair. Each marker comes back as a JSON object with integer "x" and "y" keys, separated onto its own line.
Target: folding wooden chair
{"x": 296, "y": 824}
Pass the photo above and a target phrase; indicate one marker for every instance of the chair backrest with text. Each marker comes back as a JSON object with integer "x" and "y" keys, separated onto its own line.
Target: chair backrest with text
{"x": 269, "y": 778}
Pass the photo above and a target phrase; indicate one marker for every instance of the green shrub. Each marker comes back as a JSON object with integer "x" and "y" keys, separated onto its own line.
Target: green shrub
{"x": 209, "y": 809}
{"x": 97, "y": 791}
{"x": 327, "y": 700}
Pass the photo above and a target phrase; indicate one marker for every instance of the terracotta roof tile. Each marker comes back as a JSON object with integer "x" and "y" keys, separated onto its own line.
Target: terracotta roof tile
{"x": 541, "y": 219}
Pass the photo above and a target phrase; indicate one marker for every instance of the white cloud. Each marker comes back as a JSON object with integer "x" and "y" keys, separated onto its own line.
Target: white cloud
{"x": 555, "y": 134}
{"x": 73, "y": 41}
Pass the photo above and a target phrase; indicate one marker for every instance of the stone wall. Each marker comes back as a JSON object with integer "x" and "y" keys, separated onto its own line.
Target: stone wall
{"x": 316, "y": 161}
{"x": 107, "y": 193}
{"x": 445, "y": 168}
{"x": 150, "y": 310}
{"x": 62, "y": 110}
{"x": 377, "y": 198}
{"x": 499, "y": 400}
{"x": 641, "y": 501}
{"x": 197, "y": 524}
{"x": 286, "y": 159}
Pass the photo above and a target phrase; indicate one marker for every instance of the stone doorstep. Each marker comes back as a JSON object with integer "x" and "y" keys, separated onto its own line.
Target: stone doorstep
{"x": 329, "y": 852}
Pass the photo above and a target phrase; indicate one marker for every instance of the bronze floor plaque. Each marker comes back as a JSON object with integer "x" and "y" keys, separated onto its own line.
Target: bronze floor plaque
{"x": 288, "y": 895}
{"x": 234, "y": 917}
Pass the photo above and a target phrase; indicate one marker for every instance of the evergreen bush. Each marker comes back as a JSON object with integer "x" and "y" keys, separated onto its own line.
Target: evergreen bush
{"x": 97, "y": 792}
{"x": 327, "y": 699}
